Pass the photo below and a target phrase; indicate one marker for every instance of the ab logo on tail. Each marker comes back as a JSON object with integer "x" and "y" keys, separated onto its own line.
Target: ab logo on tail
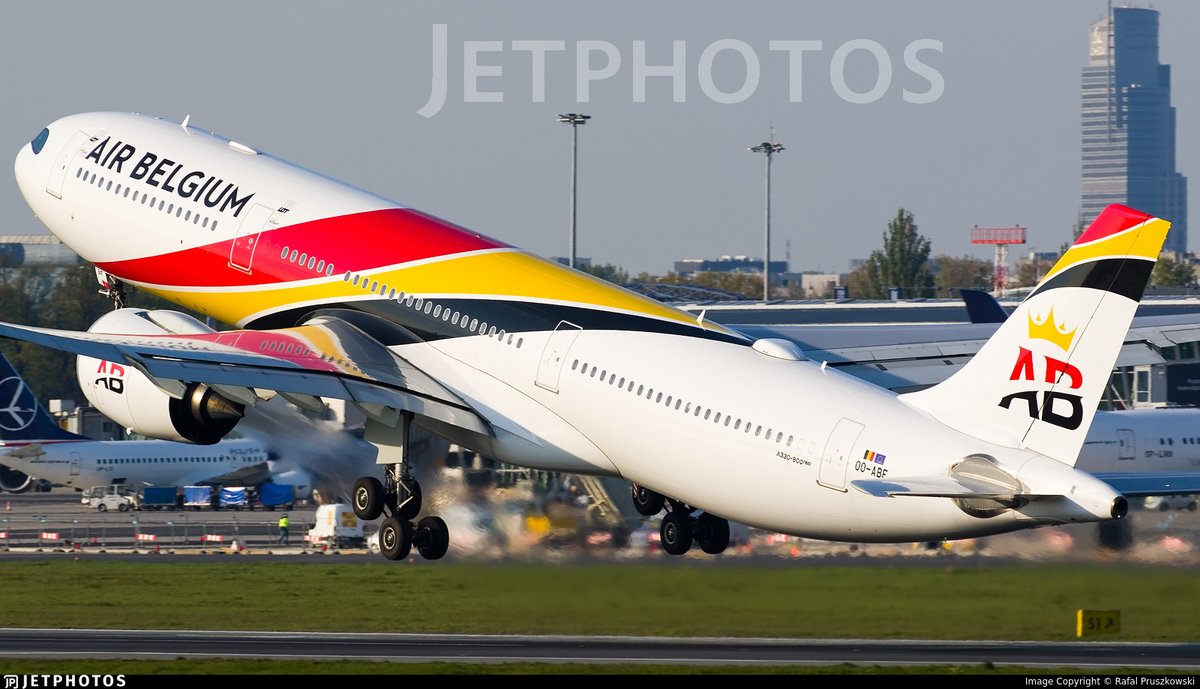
{"x": 1062, "y": 409}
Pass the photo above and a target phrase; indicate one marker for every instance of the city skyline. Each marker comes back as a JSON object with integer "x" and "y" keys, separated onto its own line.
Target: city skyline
{"x": 983, "y": 130}
{"x": 1128, "y": 124}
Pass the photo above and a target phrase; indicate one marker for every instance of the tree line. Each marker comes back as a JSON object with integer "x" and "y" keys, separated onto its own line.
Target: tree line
{"x": 903, "y": 262}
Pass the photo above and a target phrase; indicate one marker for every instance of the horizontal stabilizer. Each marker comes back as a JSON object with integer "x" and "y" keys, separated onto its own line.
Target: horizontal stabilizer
{"x": 1143, "y": 484}
{"x": 26, "y": 451}
{"x": 936, "y": 487}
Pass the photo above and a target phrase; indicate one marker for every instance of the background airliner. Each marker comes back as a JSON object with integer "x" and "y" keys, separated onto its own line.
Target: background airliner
{"x": 340, "y": 293}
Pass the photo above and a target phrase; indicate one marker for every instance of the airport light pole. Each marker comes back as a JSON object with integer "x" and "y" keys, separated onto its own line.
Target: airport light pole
{"x": 770, "y": 148}
{"x": 573, "y": 119}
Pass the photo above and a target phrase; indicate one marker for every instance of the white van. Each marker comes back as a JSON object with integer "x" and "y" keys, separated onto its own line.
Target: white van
{"x": 115, "y": 498}
{"x": 337, "y": 526}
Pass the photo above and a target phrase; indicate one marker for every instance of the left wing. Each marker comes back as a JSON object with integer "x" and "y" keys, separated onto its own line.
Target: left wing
{"x": 248, "y": 475}
{"x": 25, "y": 451}
{"x": 325, "y": 357}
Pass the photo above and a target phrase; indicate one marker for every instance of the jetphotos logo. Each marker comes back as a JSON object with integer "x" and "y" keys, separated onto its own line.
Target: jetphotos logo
{"x": 911, "y": 75}
{"x": 1062, "y": 409}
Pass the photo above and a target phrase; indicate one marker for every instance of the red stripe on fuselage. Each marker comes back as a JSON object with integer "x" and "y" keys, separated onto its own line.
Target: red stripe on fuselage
{"x": 356, "y": 242}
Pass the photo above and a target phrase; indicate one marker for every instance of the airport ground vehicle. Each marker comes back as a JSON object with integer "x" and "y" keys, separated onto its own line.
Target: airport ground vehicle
{"x": 275, "y": 495}
{"x": 159, "y": 497}
{"x": 197, "y": 497}
{"x": 337, "y": 526}
{"x": 112, "y": 498}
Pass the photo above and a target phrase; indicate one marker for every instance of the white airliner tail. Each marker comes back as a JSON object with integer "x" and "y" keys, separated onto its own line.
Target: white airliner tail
{"x": 1038, "y": 381}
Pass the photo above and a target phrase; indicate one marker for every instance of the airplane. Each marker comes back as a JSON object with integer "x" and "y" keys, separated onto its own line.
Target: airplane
{"x": 341, "y": 293}
{"x": 33, "y": 444}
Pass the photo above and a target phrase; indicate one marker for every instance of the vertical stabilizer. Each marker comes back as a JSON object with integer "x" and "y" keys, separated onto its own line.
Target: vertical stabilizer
{"x": 1038, "y": 381}
{"x": 23, "y": 419}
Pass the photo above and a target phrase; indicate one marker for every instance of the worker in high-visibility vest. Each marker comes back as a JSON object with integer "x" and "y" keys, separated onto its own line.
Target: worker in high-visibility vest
{"x": 283, "y": 529}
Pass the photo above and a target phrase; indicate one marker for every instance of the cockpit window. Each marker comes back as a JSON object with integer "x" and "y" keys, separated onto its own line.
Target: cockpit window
{"x": 39, "y": 141}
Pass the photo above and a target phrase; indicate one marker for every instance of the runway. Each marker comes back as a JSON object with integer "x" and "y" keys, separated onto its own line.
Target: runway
{"x": 63, "y": 644}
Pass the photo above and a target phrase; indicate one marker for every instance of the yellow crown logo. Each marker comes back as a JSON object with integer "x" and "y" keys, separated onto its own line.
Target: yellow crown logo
{"x": 1050, "y": 331}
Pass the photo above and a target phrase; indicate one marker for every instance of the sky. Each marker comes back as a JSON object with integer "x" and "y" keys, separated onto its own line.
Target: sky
{"x": 977, "y": 124}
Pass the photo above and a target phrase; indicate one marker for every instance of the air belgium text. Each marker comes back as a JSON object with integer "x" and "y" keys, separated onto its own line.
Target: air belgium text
{"x": 170, "y": 176}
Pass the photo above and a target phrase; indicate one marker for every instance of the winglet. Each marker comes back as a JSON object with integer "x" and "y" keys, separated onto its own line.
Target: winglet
{"x": 1037, "y": 382}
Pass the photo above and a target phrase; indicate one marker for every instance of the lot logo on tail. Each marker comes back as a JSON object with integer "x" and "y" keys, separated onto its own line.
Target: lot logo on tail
{"x": 1061, "y": 409}
{"x": 21, "y": 406}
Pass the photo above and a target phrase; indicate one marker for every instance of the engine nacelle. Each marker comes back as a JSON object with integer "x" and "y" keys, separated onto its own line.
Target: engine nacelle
{"x": 13, "y": 481}
{"x": 123, "y": 394}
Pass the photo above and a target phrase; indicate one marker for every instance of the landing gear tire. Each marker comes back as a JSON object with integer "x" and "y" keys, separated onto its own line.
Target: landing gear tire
{"x": 712, "y": 533}
{"x": 368, "y": 498}
{"x": 676, "y": 533}
{"x": 432, "y": 538}
{"x": 647, "y": 502}
{"x": 395, "y": 538}
{"x": 409, "y": 490}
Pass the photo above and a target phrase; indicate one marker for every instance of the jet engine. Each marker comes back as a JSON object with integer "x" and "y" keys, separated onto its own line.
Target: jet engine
{"x": 13, "y": 481}
{"x": 200, "y": 415}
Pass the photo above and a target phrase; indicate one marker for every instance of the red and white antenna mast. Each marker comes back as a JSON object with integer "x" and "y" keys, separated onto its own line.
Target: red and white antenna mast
{"x": 1001, "y": 237}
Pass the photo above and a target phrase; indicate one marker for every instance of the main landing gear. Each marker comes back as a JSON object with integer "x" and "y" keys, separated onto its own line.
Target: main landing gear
{"x": 399, "y": 498}
{"x": 680, "y": 527}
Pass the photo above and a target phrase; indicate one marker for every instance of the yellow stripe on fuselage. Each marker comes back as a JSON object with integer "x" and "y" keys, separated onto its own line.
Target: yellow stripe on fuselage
{"x": 493, "y": 274}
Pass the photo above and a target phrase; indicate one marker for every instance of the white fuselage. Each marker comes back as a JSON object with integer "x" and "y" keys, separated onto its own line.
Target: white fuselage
{"x": 687, "y": 409}
{"x": 1143, "y": 440}
{"x": 85, "y": 463}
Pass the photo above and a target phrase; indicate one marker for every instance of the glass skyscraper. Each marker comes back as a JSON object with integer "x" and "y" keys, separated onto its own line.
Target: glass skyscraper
{"x": 1129, "y": 124}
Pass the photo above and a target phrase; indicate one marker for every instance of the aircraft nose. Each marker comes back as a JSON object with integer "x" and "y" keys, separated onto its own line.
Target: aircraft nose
{"x": 30, "y": 158}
